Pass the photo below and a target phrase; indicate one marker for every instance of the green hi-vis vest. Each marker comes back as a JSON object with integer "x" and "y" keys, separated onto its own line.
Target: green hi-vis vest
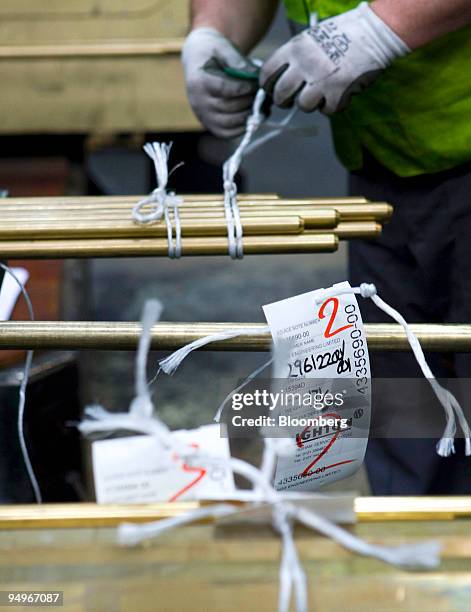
{"x": 416, "y": 118}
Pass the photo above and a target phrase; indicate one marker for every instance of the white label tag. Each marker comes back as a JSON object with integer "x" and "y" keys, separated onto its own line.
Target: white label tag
{"x": 10, "y": 292}
{"x": 326, "y": 359}
{"x": 131, "y": 470}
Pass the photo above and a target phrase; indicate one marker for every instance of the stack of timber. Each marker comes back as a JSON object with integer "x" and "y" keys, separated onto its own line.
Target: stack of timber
{"x": 72, "y": 548}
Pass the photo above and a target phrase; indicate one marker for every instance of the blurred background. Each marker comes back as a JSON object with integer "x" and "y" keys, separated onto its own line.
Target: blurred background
{"x": 84, "y": 85}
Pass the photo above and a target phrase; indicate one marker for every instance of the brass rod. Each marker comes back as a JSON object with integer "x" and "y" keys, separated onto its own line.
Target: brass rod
{"x": 76, "y": 515}
{"x": 354, "y": 229}
{"x": 67, "y": 229}
{"x": 131, "y": 200}
{"x": 90, "y": 515}
{"x": 313, "y": 218}
{"x": 170, "y": 336}
{"x": 380, "y": 210}
{"x": 284, "y": 226}
{"x": 9, "y": 205}
{"x": 158, "y": 247}
{"x": 377, "y": 211}
{"x": 436, "y": 508}
{"x": 128, "y": 202}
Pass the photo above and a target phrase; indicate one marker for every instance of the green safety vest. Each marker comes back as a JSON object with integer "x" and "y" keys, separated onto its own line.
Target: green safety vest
{"x": 416, "y": 118}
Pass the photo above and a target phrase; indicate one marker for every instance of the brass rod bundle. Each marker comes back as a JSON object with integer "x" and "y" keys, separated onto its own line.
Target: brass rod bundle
{"x": 89, "y": 515}
{"x": 88, "y": 226}
{"x": 170, "y": 336}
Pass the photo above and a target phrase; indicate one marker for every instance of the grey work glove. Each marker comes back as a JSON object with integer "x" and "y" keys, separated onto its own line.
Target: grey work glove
{"x": 326, "y": 64}
{"x": 220, "y": 102}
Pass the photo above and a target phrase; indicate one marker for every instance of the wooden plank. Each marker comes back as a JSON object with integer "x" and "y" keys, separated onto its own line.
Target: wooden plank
{"x": 104, "y": 66}
{"x": 30, "y": 21}
{"x": 258, "y": 591}
{"x": 204, "y": 568}
{"x": 94, "y": 95}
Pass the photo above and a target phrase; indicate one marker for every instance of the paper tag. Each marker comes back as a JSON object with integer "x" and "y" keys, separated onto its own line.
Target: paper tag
{"x": 326, "y": 358}
{"x": 132, "y": 470}
{"x": 10, "y": 292}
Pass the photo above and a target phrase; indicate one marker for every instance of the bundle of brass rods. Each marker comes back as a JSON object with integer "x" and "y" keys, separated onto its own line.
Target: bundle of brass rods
{"x": 170, "y": 336}
{"x": 102, "y": 226}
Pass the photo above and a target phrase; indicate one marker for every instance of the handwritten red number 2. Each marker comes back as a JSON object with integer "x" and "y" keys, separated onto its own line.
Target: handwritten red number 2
{"x": 328, "y": 330}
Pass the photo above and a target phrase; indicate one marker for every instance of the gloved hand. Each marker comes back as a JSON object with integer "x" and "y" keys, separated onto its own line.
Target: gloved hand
{"x": 220, "y": 102}
{"x": 325, "y": 65}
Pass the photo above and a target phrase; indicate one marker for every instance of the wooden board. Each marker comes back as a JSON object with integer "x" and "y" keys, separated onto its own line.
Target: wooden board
{"x": 94, "y": 95}
{"x": 207, "y": 568}
{"x": 36, "y": 22}
{"x": 93, "y": 66}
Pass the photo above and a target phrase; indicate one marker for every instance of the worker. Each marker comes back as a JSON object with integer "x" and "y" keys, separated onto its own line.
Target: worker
{"x": 394, "y": 77}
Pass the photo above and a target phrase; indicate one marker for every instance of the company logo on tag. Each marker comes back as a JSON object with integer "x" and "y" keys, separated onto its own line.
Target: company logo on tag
{"x": 330, "y": 438}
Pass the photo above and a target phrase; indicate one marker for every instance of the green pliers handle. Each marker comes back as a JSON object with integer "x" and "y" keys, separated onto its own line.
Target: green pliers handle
{"x": 214, "y": 67}
{"x": 241, "y": 74}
